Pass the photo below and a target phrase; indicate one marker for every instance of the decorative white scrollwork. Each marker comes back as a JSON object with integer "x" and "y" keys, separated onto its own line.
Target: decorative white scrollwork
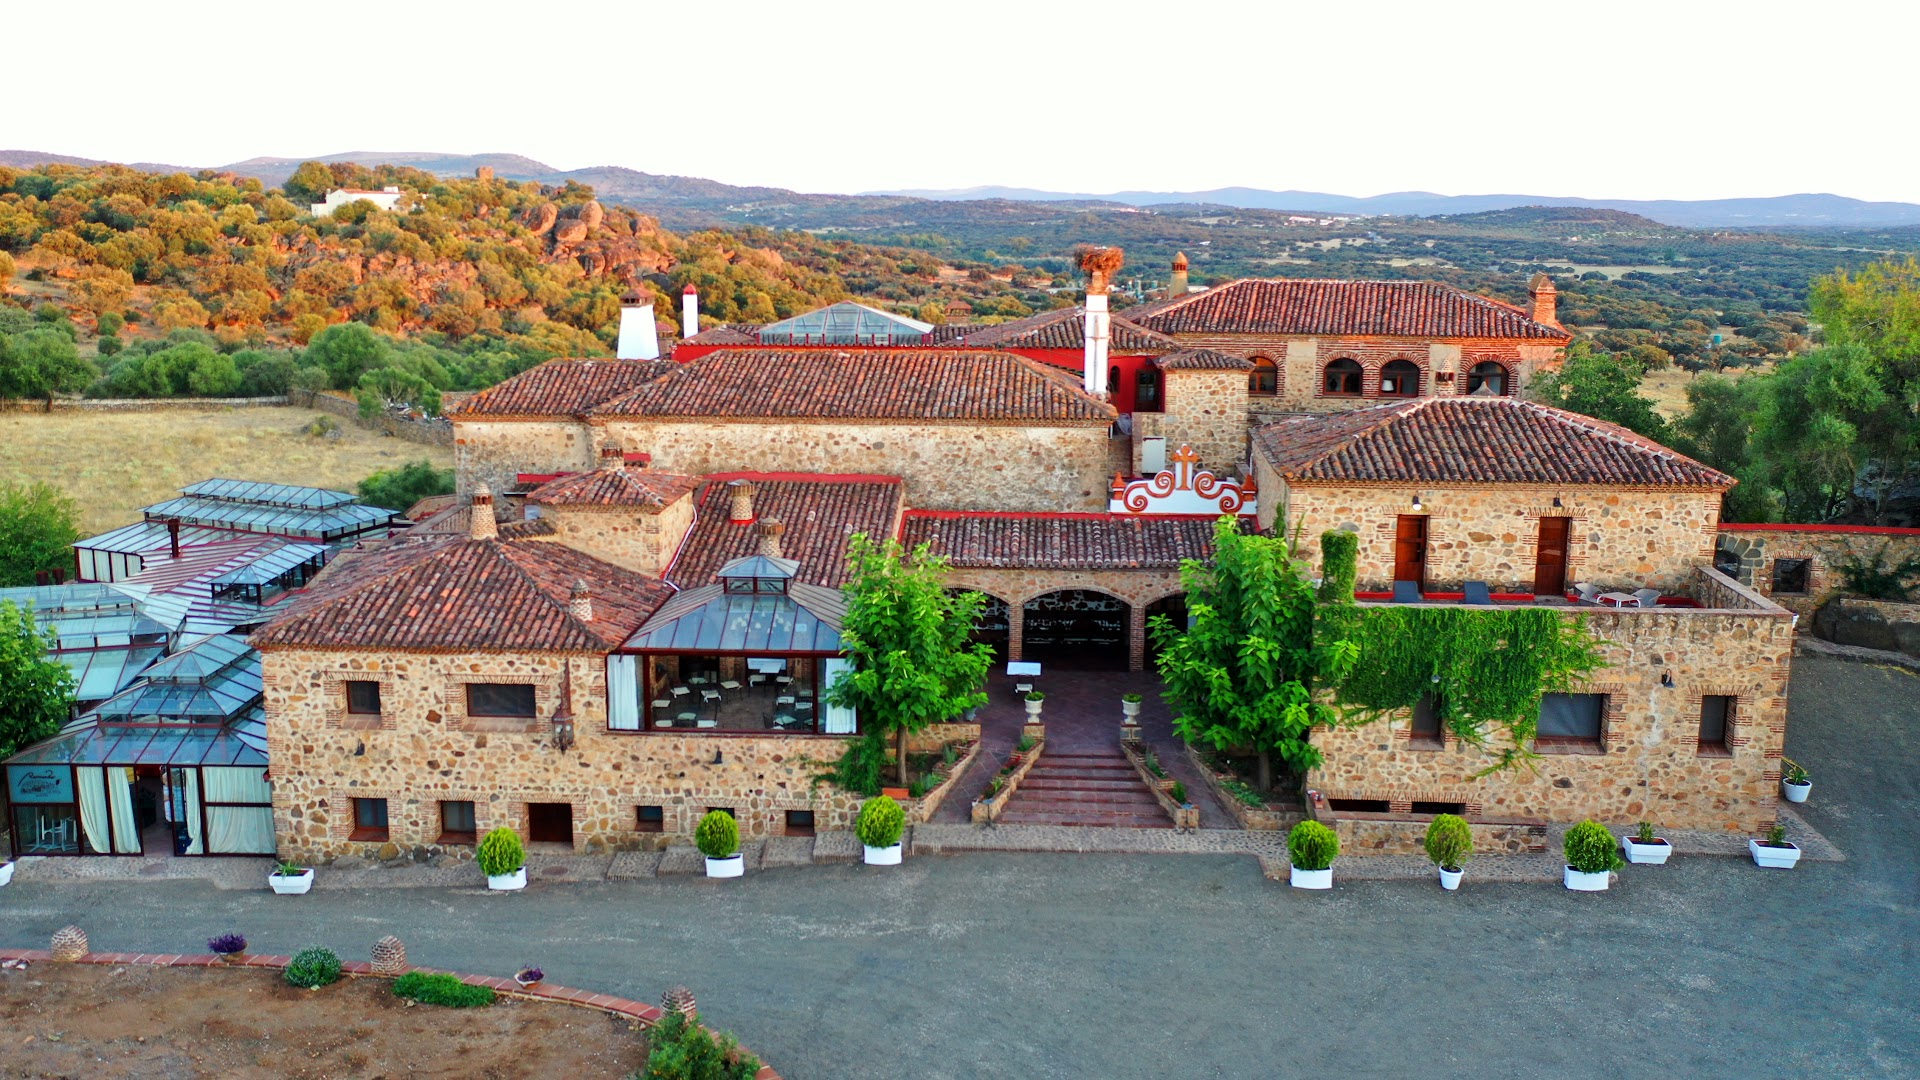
{"x": 1183, "y": 488}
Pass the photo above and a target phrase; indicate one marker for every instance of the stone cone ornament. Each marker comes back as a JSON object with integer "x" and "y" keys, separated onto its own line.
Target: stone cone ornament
{"x": 70, "y": 944}
{"x": 680, "y": 1000}
{"x": 389, "y": 956}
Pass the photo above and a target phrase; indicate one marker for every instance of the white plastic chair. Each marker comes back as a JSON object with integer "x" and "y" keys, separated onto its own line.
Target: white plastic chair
{"x": 1587, "y": 591}
{"x": 1646, "y": 598}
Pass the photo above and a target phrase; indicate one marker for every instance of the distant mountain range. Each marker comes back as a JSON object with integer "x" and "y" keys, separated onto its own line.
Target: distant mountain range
{"x": 698, "y": 198}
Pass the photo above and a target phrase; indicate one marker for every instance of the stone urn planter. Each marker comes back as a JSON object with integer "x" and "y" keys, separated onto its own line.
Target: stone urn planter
{"x": 6, "y": 871}
{"x": 291, "y": 880}
{"x": 1034, "y": 701}
{"x": 508, "y": 882}
{"x": 1652, "y": 852}
{"x": 1130, "y": 707}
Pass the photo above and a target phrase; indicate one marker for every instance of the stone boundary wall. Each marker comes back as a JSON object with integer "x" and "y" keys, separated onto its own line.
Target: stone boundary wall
{"x": 922, "y": 809}
{"x": 1362, "y": 835}
{"x": 638, "y": 1011}
{"x": 987, "y": 811}
{"x": 339, "y": 403}
{"x": 82, "y": 405}
{"x": 1184, "y": 817}
{"x": 1749, "y": 551}
{"x": 1256, "y": 820}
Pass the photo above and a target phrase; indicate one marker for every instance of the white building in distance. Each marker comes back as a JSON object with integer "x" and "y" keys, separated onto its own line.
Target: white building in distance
{"x": 385, "y": 199}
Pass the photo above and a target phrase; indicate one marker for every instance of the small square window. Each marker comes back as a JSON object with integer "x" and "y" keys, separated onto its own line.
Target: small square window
{"x": 1423, "y": 730}
{"x": 1431, "y": 809}
{"x": 1716, "y": 723}
{"x": 369, "y": 819}
{"x": 727, "y": 810}
{"x": 1360, "y": 806}
{"x": 650, "y": 818}
{"x": 799, "y": 823}
{"x": 1790, "y": 576}
{"x": 513, "y": 700}
{"x": 456, "y": 822}
{"x": 363, "y": 698}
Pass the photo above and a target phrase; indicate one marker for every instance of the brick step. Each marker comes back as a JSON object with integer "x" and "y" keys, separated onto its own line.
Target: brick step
{"x": 1113, "y": 775}
{"x": 1085, "y": 798}
{"x": 1116, "y": 821}
{"x": 1102, "y": 764}
{"x": 1070, "y": 783}
{"x": 1105, "y": 759}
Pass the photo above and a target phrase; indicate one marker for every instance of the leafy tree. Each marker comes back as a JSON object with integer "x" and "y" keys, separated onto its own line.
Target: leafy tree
{"x": 41, "y": 363}
{"x": 1823, "y": 417}
{"x": 36, "y": 531}
{"x": 909, "y": 640}
{"x": 310, "y": 183}
{"x": 398, "y": 489}
{"x": 347, "y": 351}
{"x": 1603, "y": 386}
{"x": 6, "y": 273}
{"x": 36, "y": 691}
{"x": 385, "y": 388}
{"x": 1719, "y": 429}
{"x": 1244, "y": 675}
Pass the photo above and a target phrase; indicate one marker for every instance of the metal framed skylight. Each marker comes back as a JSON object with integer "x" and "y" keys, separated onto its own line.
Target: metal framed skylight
{"x": 847, "y": 323}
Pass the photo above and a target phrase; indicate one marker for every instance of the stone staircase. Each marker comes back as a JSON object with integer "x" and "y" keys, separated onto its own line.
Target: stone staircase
{"x": 1085, "y": 788}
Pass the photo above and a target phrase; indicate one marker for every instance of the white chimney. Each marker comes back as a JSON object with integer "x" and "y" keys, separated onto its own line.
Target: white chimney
{"x": 689, "y": 312}
{"x": 639, "y": 337}
{"x": 1096, "y": 333}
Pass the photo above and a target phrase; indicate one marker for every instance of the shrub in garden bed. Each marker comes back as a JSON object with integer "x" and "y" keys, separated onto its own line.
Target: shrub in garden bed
{"x": 313, "y": 968}
{"x": 441, "y": 990}
{"x": 678, "y": 1048}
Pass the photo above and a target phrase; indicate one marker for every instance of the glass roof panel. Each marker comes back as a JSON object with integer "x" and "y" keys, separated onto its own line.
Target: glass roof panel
{"x": 309, "y": 498}
{"x": 846, "y": 323}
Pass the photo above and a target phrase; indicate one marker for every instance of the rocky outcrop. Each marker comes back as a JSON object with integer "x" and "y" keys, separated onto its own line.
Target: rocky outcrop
{"x": 1870, "y": 624}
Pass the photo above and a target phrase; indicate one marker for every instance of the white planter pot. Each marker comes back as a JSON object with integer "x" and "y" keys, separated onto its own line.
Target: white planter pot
{"x": 292, "y": 886}
{"x": 1310, "y": 879}
{"x": 1654, "y": 854}
{"x": 1580, "y": 882}
{"x": 883, "y": 856}
{"x": 1796, "y": 793}
{"x": 1033, "y": 709}
{"x": 1781, "y": 858}
{"x": 731, "y": 866}
{"x": 1130, "y": 708}
{"x": 1450, "y": 879}
{"x": 6, "y": 872}
{"x": 508, "y": 882}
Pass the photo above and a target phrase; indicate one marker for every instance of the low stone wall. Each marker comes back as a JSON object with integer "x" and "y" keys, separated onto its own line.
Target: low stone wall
{"x": 1262, "y": 819}
{"x": 82, "y": 405}
{"x": 1870, "y": 624}
{"x": 922, "y": 809}
{"x": 934, "y": 736}
{"x": 427, "y": 432}
{"x": 986, "y": 811}
{"x": 1751, "y": 554}
{"x": 1185, "y": 816}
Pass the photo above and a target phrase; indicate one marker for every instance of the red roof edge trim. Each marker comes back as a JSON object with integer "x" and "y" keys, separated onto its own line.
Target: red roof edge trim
{"x": 1866, "y": 530}
{"x": 807, "y": 478}
{"x": 1055, "y": 515}
{"x": 539, "y": 477}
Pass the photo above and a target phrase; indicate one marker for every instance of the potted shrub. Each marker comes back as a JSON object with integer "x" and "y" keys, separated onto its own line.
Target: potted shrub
{"x": 1449, "y": 842}
{"x": 1034, "y": 698}
{"x": 879, "y": 828}
{"x": 528, "y": 975}
{"x": 503, "y": 858}
{"x": 718, "y": 838}
{"x": 6, "y": 871}
{"x": 1592, "y": 857}
{"x": 1312, "y": 847}
{"x": 1794, "y": 785}
{"x": 1130, "y": 705}
{"x": 229, "y": 947}
{"x": 1645, "y": 849}
{"x": 1774, "y": 851}
{"x": 291, "y": 879}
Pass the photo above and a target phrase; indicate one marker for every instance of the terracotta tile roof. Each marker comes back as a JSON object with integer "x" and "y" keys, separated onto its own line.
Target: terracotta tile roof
{"x": 862, "y": 384}
{"x": 1204, "y": 360}
{"x": 451, "y": 592}
{"x": 726, "y": 334}
{"x": 820, "y": 513}
{"x": 1373, "y": 308}
{"x": 1066, "y": 328}
{"x": 1061, "y": 541}
{"x": 611, "y": 488}
{"x": 560, "y": 388}
{"x": 1473, "y": 441}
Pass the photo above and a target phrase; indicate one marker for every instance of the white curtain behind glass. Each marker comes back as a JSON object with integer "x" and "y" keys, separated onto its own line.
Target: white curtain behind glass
{"x": 623, "y": 693}
{"x": 840, "y": 720}
{"x": 93, "y": 808}
{"x": 126, "y": 834}
{"x": 233, "y": 830}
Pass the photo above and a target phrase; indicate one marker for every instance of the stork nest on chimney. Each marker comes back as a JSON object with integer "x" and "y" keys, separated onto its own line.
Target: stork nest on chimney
{"x": 1102, "y": 260}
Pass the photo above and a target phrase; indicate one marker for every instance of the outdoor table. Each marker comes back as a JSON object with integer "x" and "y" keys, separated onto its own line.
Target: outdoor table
{"x": 730, "y": 684}
{"x": 1619, "y": 599}
{"x": 784, "y": 700}
{"x": 709, "y": 695}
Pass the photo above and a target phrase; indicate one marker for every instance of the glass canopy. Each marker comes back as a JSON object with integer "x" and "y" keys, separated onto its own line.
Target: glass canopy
{"x": 847, "y": 323}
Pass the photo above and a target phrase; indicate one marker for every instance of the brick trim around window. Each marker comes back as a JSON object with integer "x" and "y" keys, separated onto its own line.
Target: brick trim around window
{"x": 333, "y": 690}
{"x": 455, "y": 699}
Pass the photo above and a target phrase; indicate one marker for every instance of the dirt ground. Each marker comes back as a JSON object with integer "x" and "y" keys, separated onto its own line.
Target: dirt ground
{"x": 97, "y": 1022}
{"x": 1668, "y": 387}
{"x": 114, "y": 463}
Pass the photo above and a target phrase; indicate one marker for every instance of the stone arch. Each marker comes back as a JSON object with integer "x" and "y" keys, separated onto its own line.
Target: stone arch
{"x": 1088, "y": 628}
{"x": 994, "y": 625}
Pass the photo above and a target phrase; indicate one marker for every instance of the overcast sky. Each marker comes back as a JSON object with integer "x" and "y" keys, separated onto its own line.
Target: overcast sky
{"x": 1675, "y": 99}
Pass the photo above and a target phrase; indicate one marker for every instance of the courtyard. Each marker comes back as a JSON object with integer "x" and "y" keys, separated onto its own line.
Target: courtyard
{"x": 1044, "y": 965}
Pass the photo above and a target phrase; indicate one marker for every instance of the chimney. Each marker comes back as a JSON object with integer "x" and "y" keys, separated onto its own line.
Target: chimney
{"x": 612, "y": 457}
{"x": 1177, "y": 281}
{"x": 770, "y": 531}
{"x": 689, "y": 311}
{"x": 483, "y": 174}
{"x": 481, "y": 525}
{"x": 741, "y": 510}
{"x": 173, "y": 537}
{"x": 1100, "y": 265}
{"x": 580, "y": 602}
{"x": 1545, "y": 299}
{"x": 639, "y": 335}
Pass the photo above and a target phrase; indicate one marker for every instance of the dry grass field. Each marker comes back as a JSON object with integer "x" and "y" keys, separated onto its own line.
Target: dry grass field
{"x": 114, "y": 463}
{"x": 1668, "y": 387}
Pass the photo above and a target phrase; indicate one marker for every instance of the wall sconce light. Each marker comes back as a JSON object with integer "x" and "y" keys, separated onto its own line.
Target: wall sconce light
{"x": 1666, "y": 679}
{"x": 1556, "y": 502}
{"x": 719, "y": 758}
{"x": 1416, "y": 502}
{"x": 360, "y": 750}
{"x": 563, "y": 731}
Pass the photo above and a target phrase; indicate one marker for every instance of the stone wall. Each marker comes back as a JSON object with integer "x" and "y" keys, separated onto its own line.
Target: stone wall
{"x": 1138, "y": 588}
{"x": 1620, "y": 538}
{"x": 340, "y": 403}
{"x": 423, "y": 749}
{"x": 1207, "y": 410}
{"x": 1649, "y": 764}
{"x": 624, "y": 535}
{"x": 943, "y": 466}
{"x": 1870, "y": 624}
{"x": 1443, "y": 363}
{"x": 1750, "y": 552}
{"x": 493, "y": 452}
{"x": 83, "y": 405}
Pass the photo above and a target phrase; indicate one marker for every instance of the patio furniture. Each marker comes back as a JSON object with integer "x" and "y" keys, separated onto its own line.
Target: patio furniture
{"x": 697, "y": 680}
{"x": 1587, "y": 591}
{"x": 785, "y": 699}
{"x": 1618, "y": 599}
{"x": 1646, "y": 598}
{"x": 1023, "y": 688}
{"x": 1023, "y": 667}
{"x": 709, "y": 723}
{"x": 663, "y": 703}
{"x": 707, "y": 696}
{"x": 663, "y": 723}
{"x": 681, "y": 691}
{"x": 729, "y": 684}
{"x": 754, "y": 681}
{"x": 783, "y": 679}
{"x": 688, "y": 718}
{"x": 803, "y": 706}
{"x": 1406, "y": 592}
{"x": 1477, "y": 593}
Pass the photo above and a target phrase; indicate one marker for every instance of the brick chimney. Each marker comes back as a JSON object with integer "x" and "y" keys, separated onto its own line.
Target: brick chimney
{"x": 580, "y": 601}
{"x": 612, "y": 457}
{"x": 481, "y": 525}
{"x": 1545, "y": 299}
{"x": 483, "y": 174}
{"x": 689, "y": 311}
{"x": 740, "y": 512}
{"x": 770, "y": 532}
{"x": 1177, "y": 281}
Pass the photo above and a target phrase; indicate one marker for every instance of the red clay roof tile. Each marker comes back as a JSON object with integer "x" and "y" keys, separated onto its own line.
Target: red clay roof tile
{"x": 619, "y": 487}
{"x": 820, "y": 513}
{"x": 1061, "y": 541}
{"x": 560, "y": 388}
{"x": 1066, "y": 329}
{"x": 1370, "y": 308}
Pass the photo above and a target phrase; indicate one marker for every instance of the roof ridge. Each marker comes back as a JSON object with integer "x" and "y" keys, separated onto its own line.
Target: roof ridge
{"x": 1617, "y": 432}
{"x": 501, "y": 547}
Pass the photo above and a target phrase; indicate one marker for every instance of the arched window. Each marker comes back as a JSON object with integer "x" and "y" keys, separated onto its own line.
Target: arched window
{"x": 1488, "y": 378}
{"x": 1264, "y": 378}
{"x": 1113, "y": 379}
{"x": 1343, "y": 377}
{"x": 1400, "y": 378}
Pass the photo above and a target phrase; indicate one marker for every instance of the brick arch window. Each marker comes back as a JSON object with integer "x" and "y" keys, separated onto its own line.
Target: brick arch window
{"x": 1491, "y": 375}
{"x": 1264, "y": 379}
{"x": 1400, "y": 378}
{"x": 1343, "y": 377}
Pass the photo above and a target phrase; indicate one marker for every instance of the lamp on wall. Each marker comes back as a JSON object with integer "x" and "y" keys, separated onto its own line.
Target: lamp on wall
{"x": 719, "y": 758}
{"x": 563, "y": 712}
{"x": 1416, "y": 502}
{"x": 1556, "y": 502}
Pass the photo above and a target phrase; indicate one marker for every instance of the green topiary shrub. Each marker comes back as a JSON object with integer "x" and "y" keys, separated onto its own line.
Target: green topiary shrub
{"x": 441, "y": 990}
{"x": 678, "y": 1048}
{"x": 1312, "y": 846}
{"x": 501, "y": 852}
{"x": 718, "y": 835}
{"x": 313, "y": 968}
{"x": 1339, "y": 564}
{"x": 881, "y": 823}
{"x": 1591, "y": 849}
{"x": 1449, "y": 841}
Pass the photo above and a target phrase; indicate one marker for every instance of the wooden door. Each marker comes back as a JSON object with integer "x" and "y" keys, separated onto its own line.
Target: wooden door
{"x": 1550, "y": 561}
{"x": 1410, "y": 550}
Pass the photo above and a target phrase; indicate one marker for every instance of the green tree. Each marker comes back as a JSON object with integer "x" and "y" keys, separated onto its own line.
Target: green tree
{"x": 914, "y": 663}
{"x": 1603, "y": 386}
{"x": 36, "y": 531}
{"x": 36, "y": 691}
{"x": 1875, "y": 312}
{"x": 310, "y": 183}
{"x": 1824, "y": 416}
{"x": 398, "y": 489}
{"x": 1244, "y": 674}
{"x": 347, "y": 351}
{"x": 1719, "y": 429}
{"x": 42, "y": 363}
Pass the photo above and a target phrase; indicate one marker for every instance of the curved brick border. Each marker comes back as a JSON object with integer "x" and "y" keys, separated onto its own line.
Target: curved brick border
{"x": 642, "y": 1013}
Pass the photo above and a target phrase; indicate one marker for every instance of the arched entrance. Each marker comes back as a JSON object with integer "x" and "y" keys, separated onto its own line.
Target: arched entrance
{"x": 992, "y": 626}
{"x": 1175, "y": 609}
{"x": 1076, "y": 628}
